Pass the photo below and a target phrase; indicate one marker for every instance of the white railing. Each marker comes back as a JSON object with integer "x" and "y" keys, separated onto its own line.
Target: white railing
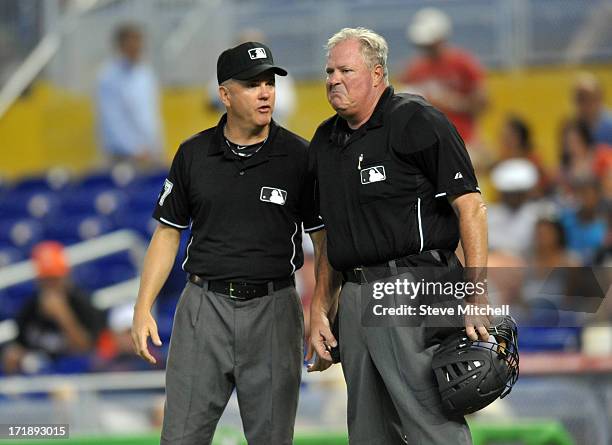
{"x": 115, "y": 381}
{"x": 81, "y": 253}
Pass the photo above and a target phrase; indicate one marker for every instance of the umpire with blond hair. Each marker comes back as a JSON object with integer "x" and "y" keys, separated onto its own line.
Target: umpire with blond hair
{"x": 397, "y": 190}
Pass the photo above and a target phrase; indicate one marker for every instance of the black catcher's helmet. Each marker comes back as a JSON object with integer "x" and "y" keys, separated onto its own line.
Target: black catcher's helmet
{"x": 472, "y": 374}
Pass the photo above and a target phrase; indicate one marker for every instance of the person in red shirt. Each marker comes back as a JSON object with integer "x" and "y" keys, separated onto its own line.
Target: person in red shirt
{"x": 450, "y": 78}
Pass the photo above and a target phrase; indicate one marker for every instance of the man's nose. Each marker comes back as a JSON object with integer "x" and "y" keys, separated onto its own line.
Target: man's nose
{"x": 265, "y": 91}
{"x": 333, "y": 78}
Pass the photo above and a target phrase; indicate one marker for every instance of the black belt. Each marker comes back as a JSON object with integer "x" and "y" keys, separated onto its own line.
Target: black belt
{"x": 374, "y": 272}
{"x": 242, "y": 290}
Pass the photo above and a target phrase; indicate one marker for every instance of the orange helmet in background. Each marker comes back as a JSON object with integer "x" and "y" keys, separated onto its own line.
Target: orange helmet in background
{"x": 50, "y": 261}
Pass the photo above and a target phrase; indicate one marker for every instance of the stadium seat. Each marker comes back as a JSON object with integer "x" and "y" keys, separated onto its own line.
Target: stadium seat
{"x": 549, "y": 338}
{"x": 13, "y": 298}
{"x": 93, "y": 275}
{"x": 10, "y": 255}
{"x": 153, "y": 179}
{"x": 26, "y": 204}
{"x": 96, "y": 180}
{"x": 142, "y": 222}
{"x": 21, "y": 233}
{"x": 55, "y": 180}
{"x": 101, "y": 201}
{"x": 69, "y": 229}
{"x": 143, "y": 199}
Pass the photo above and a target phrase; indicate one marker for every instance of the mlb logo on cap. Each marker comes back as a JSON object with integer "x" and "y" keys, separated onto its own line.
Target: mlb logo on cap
{"x": 245, "y": 62}
{"x": 257, "y": 53}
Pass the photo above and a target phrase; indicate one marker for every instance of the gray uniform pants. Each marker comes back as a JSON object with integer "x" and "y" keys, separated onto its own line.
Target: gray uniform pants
{"x": 218, "y": 344}
{"x": 392, "y": 393}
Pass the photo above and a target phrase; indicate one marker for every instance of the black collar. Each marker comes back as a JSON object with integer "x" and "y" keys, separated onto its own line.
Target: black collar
{"x": 218, "y": 144}
{"x": 377, "y": 119}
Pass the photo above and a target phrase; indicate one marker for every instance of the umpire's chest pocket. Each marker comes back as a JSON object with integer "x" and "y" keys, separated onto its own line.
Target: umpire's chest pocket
{"x": 375, "y": 181}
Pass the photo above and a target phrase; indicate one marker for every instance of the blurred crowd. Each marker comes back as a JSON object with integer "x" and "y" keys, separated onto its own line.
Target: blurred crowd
{"x": 541, "y": 219}
{"x": 60, "y": 330}
{"x": 544, "y": 222}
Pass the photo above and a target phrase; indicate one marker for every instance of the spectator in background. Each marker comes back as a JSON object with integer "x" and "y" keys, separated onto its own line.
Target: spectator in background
{"x": 516, "y": 142}
{"x": 58, "y": 321}
{"x": 285, "y": 85}
{"x": 449, "y": 78}
{"x": 577, "y": 155}
{"x": 583, "y": 222}
{"x": 552, "y": 280}
{"x": 128, "y": 104}
{"x": 582, "y": 157}
{"x": 589, "y": 104}
{"x": 115, "y": 350}
{"x": 550, "y": 246}
{"x": 513, "y": 218}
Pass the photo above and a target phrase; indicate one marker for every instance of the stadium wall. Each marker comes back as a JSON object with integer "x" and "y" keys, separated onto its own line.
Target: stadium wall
{"x": 50, "y": 126}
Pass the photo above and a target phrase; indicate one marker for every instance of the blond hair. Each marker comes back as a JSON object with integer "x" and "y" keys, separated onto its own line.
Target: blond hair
{"x": 374, "y": 48}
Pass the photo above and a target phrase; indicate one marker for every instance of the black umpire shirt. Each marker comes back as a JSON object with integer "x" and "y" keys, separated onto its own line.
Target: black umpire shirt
{"x": 246, "y": 215}
{"x": 383, "y": 187}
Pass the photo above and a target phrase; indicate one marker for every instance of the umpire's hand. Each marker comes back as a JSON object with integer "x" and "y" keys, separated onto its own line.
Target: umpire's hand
{"x": 143, "y": 326}
{"x": 321, "y": 340}
{"x": 476, "y": 326}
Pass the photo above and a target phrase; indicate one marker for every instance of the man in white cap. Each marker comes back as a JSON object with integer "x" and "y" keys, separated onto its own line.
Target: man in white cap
{"x": 450, "y": 78}
{"x": 512, "y": 220}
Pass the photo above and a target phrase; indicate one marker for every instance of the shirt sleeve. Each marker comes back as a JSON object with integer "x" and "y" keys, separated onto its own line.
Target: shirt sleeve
{"x": 310, "y": 199}
{"x": 172, "y": 207}
{"x": 440, "y": 153}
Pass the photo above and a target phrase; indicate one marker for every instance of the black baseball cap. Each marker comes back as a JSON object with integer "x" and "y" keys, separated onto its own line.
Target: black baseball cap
{"x": 246, "y": 61}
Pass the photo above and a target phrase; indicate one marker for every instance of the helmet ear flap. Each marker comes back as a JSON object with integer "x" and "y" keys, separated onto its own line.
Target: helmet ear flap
{"x": 472, "y": 374}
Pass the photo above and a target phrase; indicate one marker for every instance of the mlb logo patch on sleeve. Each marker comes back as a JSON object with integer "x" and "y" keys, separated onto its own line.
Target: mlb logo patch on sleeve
{"x": 273, "y": 195}
{"x": 373, "y": 174}
{"x": 167, "y": 189}
{"x": 257, "y": 53}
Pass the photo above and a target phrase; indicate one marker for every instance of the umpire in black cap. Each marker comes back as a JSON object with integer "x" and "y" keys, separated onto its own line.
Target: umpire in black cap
{"x": 243, "y": 190}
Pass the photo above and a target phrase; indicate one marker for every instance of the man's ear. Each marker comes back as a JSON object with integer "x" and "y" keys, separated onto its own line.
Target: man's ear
{"x": 224, "y": 95}
{"x": 378, "y": 75}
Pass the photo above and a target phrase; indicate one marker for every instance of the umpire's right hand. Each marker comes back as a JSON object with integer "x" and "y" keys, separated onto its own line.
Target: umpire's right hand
{"x": 143, "y": 326}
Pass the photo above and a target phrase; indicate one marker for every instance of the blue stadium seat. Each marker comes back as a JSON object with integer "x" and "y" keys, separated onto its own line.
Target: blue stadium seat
{"x": 21, "y": 233}
{"x": 32, "y": 184}
{"x": 154, "y": 179}
{"x": 105, "y": 271}
{"x": 69, "y": 229}
{"x": 94, "y": 276}
{"x": 13, "y": 298}
{"x": 101, "y": 201}
{"x": 10, "y": 255}
{"x": 56, "y": 179}
{"x": 96, "y": 180}
{"x": 549, "y": 338}
{"x": 29, "y": 204}
{"x": 142, "y": 222}
{"x": 142, "y": 198}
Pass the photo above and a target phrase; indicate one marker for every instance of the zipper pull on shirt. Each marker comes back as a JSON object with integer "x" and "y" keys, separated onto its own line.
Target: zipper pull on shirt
{"x": 360, "y": 159}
